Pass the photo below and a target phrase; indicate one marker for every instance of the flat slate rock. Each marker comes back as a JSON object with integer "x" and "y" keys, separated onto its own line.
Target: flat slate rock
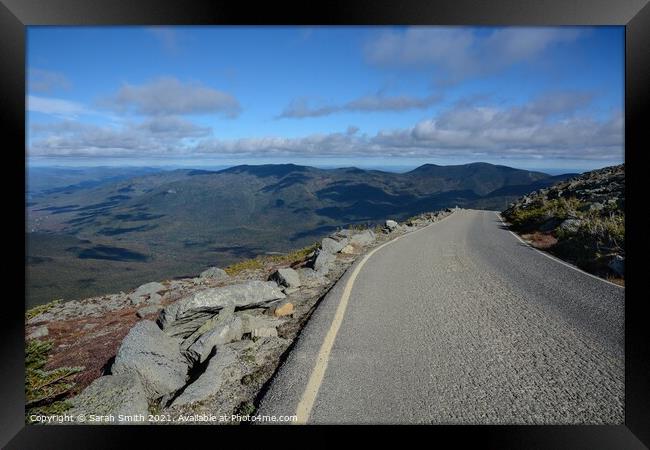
{"x": 186, "y": 315}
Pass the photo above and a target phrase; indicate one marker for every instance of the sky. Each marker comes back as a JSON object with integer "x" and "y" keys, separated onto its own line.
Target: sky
{"x": 196, "y": 96}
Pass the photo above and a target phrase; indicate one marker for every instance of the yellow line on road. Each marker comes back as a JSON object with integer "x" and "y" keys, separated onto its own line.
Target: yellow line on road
{"x": 318, "y": 373}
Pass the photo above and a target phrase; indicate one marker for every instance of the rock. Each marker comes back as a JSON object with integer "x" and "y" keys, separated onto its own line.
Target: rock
{"x": 333, "y": 246}
{"x": 220, "y": 369}
{"x": 286, "y": 277}
{"x": 186, "y": 315}
{"x": 251, "y": 322}
{"x": 214, "y": 273}
{"x": 348, "y": 250}
{"x": 366, "y": 237}
{"x": 113, "y": 394}
{"x": 282, "y": 310}
{"x": 147, "y": 293}
{"x": 617, "y": 264}
{"x": 154, "y": 356}
{"x": 229, "y": 330}
{"x": 38, "y": 332}
{"x": 321, "y": 260}
{"x": 570, "y": 225}
{"x": 147, "y": 310}
{"x": 391, "y": 224}
{"x": 264, "y": 332}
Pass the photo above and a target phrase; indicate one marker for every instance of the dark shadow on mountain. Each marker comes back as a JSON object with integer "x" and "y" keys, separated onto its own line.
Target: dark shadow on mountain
{"x": 361, "y": 191}
{"x": 112, "y": 254}
{"x": 109, "y": 231}
{"x": 286, "y": 182}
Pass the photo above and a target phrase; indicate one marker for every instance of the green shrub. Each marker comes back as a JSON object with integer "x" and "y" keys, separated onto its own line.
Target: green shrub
{"x": 541, "y": 210}
{"x": 44, "y": 389}
{"x": 40, "y": 309}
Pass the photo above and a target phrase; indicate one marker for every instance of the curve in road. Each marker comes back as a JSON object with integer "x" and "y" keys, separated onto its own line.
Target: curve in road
{"x": 458, "y": 323}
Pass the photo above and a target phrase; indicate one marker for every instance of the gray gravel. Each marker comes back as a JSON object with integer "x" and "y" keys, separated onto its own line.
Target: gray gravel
{"x": 460, "y": 323}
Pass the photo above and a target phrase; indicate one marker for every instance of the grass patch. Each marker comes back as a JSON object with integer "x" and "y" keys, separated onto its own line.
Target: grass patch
{"x": 40, "y": 309}
{"x": 45, "y": 389}
{"x": 539, "y": 211}
{"x": 263, "y": 260}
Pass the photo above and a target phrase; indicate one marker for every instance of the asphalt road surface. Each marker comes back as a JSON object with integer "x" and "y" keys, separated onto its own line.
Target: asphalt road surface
{"x": 458, "y": 323}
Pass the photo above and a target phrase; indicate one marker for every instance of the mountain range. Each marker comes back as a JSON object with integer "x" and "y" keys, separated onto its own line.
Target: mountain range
{"x": 113, "y": 232}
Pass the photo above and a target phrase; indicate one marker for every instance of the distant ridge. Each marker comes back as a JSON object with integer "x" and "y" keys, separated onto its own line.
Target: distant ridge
{"x": 183, "y": 220}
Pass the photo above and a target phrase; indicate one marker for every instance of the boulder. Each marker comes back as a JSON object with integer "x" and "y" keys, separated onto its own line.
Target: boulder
{"x": 113, "y": 394}
{"x": 186, "y": 315}
{"x": 391, "y": 225}
{"x": 366, "y": 237}
{"x": 617, "y": 265}
{"x": 321, "y": 261}
{"x": 332, "y": 245}
{"x": 214, "y": 273}
{"x": 310, "y": 278}
{"x": 154, "y": 356}
{"x": 286, "y": 277}
{"x": 228, "y": 330}
{"x": 264, "y": 332}
{"x": 220, "y": 369}
{"x": 147, "y": 310}
{"x": 147, "y": 293}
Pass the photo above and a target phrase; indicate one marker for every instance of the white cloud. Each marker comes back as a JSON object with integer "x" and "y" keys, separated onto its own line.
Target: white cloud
{"x": 40, "y": 80}
{"x": 169, "y": 96}
{"x": 553, "y": 126}
{"x": 456, "y": 53}
{"x": 55, "y": 106}
{"x": 300, "y": 108}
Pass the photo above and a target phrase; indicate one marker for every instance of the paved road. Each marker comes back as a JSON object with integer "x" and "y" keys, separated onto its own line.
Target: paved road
{"x": 460, "y": 322}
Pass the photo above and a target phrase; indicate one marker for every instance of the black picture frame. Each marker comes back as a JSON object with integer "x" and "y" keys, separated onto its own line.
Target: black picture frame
{"x": 15, "y": 15}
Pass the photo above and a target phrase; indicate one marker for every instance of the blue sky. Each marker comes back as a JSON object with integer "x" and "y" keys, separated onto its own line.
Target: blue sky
{"x": 547, "y": 98}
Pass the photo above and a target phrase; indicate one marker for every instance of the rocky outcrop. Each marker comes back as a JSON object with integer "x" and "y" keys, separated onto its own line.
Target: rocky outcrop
{"x": 186, "y": 315}
{"x": 581, "y": 220}
{"x": 154, "y": 356}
